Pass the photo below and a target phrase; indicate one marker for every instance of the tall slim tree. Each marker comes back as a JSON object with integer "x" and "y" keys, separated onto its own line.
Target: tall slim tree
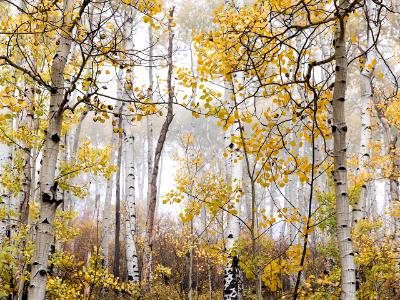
{"x": 339, "y": 129}
{"x": 48, "y": 186}
{"x": 147, "y": 256}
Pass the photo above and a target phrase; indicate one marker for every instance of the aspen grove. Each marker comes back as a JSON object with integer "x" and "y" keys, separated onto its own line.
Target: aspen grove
{"x": 199, "y": 149}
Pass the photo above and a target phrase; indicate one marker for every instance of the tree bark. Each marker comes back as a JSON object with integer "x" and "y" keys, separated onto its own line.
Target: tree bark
{"x": 232, "y": 273}
{"x": 149, "y": 121}
{"x": 366, "y": 72}
{"x": 107, "y": 222}
{"x": 232, "y": 276}
{"x": 48, "y": 185}
{"x": 5, "y": 159}
{"x": 130, "y": 215}
{"x": 117, "y": 250}
{"x": 147, "y": 259}
{"x": 339, "y": 129}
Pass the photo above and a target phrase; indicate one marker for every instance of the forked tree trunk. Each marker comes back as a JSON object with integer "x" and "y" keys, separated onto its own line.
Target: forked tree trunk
{"x": 48, "y": 186}
{"x": 147, "y": 256}
{"x": 339, "y": 129}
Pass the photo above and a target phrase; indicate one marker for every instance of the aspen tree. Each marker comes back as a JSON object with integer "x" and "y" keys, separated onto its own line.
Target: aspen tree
{"x": 366, "y": 71}
{"x": 48, "y": 187}
{"x": 130, "y": 214}
{"x": 339, "y": 129}
{"x": 149, "y": 119}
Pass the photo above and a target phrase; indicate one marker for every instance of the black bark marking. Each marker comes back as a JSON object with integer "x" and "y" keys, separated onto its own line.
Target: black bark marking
{"x": 46, "y": 197}
{"x": 55, "y": 138}
{"x": 54, "y": 187}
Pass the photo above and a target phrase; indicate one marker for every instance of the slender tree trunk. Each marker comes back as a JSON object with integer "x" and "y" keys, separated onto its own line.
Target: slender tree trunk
{"x": 366, "y": 71}
{"x": 159, "y": 182}
{"x": 147, "y": 259}
{"x": 129, "y": 174}
{"x": 390, "y": 136}
{"x": 232, "y": 273}
{"x": 339, "y": 129}
{"x": 149, "y": 119}
{"x": 48, "y": 185}
{"x": 273, "y": 198}
{"x": 24, "y": 196}
{"x": 117, "y": 250}
{"x": 232, "y": 276}
{"x": 107, "y": 221}
{"x": 75, "y": 137}
{"x": 191, "y": 262}
{"x": 130, "y": 217}
{"x": 5, "y": 161}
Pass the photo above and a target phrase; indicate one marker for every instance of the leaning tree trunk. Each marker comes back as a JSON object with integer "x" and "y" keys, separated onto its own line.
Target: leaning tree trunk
{"x": 147, "y": 256}
{"x": 48, "y": 185}
{"x": 339, "y": 129}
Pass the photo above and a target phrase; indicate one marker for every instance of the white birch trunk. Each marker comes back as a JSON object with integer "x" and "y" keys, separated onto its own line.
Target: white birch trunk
{"x": 129, "y": 175}
{"x": 107, "y": 222}
{"x": 130, "y": 214}
{"x": 48, "y": 186}
{"x": 359, "y": 209}
{"x": 5, "y": 201}
{"x": 339, "y": 129}
{"x": 232, "y": 276}
{"x": 24, "y": 195}
{"x": 149, "y": 119}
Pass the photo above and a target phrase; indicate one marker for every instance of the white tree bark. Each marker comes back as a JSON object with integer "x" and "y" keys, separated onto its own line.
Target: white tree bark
{"x": 130, "y": 214}
{"x": 24, "y": 195}
{"x": 48, "y": 186}
{"x": 339, "y": 129}
{"x": 359, "y": 208}
{"x": 232, "y": 277}
{"x": 129, "y": 183}
{"x": 5, "y": 201}
{"x": 107, "y": 222}
{"x": 232, "y": 273}
{"x": 149, "y": 119}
